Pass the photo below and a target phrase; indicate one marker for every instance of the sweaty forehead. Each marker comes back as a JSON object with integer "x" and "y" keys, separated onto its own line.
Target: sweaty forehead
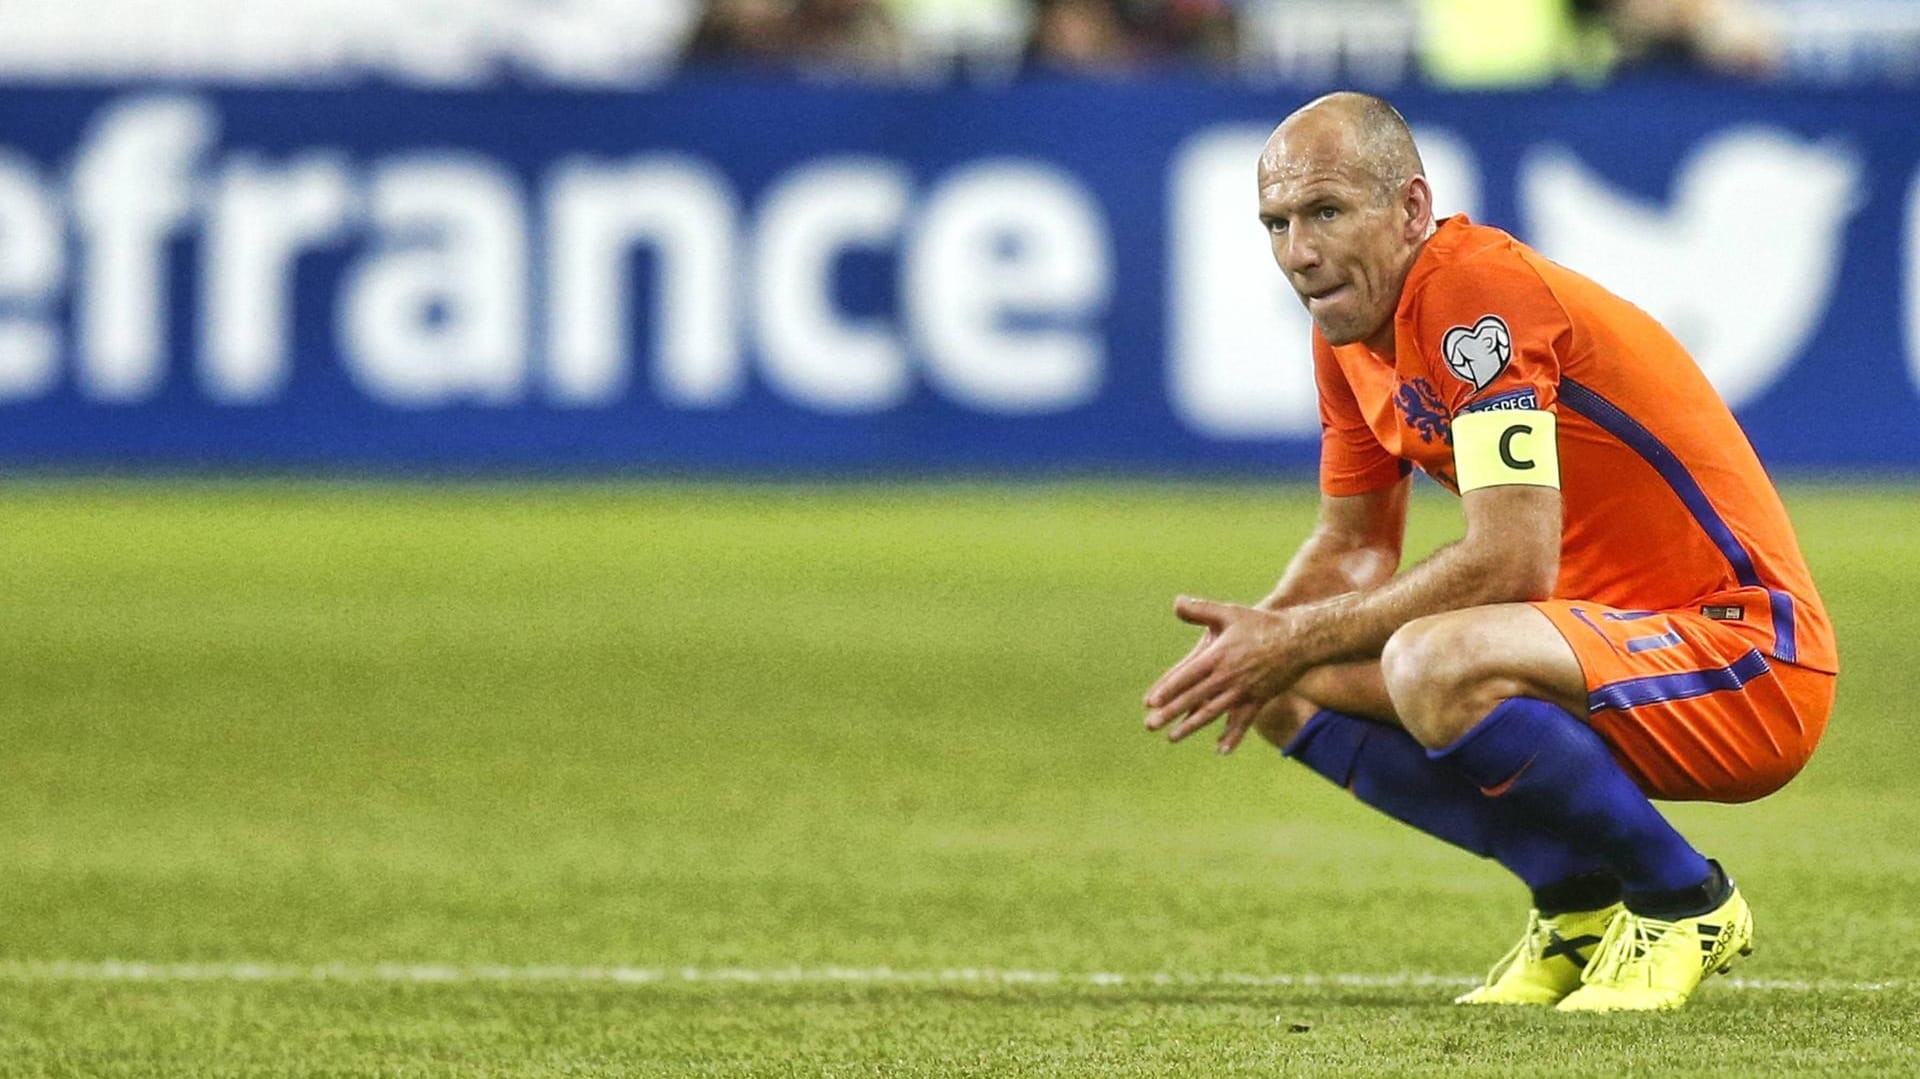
{"x": 1295, "y": 163}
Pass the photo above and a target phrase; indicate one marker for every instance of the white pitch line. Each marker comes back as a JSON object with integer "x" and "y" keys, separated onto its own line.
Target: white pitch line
{"x": 57, "y": 970}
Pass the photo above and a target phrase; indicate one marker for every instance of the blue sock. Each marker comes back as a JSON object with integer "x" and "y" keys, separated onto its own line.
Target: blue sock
{"x": 1542, "y": 761}
{"x": 1387, "y": 769}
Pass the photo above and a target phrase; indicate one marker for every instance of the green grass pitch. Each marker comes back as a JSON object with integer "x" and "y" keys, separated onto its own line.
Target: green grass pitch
{"x": 730, "y": 780}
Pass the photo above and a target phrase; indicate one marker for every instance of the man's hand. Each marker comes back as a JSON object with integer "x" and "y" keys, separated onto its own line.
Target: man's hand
{"x": 1246, "y": 658}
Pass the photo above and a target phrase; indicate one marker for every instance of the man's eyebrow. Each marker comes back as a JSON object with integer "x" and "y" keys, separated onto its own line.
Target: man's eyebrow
{"x": 1306, "y": 200}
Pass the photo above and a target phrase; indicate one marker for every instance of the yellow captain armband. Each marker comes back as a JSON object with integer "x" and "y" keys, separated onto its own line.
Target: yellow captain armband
{"x": 1505, "y": 446}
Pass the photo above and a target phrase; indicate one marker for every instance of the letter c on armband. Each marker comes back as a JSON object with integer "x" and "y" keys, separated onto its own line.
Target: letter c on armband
{"x": 1506, "y": 447}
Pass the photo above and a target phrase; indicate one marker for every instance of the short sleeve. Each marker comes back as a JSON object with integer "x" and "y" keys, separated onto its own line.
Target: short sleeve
{"x": 1493, "y": 333}
{"x": 1352, "y": 460}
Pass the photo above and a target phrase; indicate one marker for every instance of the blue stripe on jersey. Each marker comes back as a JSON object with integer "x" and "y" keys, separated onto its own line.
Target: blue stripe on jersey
{"x": 1656, "y": 688}
{"x": 1782, "y": 604}
{"x": 1610, "y": 418}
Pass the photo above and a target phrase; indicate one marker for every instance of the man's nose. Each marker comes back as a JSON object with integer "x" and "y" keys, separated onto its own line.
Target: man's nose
{"x": 1298, "y": 253}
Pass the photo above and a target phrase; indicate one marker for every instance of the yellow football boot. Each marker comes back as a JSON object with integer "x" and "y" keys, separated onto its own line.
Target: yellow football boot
{"x": 1647, "y": 964}
{"x": 1545, "y": 966}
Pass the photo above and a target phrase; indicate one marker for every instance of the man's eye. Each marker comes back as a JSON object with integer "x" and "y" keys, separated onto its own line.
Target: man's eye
{"x": 1327, "y": 213}
{"x": 1278, "y": 224}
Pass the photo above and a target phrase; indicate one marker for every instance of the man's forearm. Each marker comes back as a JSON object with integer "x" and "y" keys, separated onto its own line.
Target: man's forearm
{"x": 1327, "y": 566}
{"x": 1356, "y": 625}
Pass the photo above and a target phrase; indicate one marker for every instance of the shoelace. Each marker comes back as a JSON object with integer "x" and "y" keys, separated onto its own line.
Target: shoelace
{"x": 1629, "y": 937}
{"x": 1532, "y": 944}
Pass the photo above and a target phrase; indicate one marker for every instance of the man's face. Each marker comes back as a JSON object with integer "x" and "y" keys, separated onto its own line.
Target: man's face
{"x": 1341, "y": 241}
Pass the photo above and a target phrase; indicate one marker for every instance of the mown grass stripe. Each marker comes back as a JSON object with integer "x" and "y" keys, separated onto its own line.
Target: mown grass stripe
{"x": 137, "y": 971}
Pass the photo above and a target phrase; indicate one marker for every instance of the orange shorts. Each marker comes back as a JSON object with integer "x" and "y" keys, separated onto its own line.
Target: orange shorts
{"x": 1692, "y": 710}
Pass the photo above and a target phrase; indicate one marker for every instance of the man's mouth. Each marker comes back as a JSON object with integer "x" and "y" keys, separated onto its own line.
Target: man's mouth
{"x": 1324, "y": 294}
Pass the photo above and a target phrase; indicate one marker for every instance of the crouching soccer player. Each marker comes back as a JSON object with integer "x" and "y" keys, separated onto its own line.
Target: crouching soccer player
{"x": 1627, "y": 616}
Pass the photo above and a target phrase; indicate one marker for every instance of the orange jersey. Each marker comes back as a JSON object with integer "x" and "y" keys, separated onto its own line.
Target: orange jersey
{"x": 1666, "y": 507}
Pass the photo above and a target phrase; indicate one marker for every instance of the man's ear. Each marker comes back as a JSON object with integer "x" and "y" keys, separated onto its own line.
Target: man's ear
{"x": 1417, "y": 201}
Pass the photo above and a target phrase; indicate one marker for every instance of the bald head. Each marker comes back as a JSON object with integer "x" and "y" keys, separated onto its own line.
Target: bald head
{"x": 1346, "y": 206}
{"x": 1362, "y": 132}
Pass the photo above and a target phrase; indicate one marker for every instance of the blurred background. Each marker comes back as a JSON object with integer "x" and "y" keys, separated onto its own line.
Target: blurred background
{"x": 701, "y": 485}
{"x": 625, "y": 43}
{"x": 753, "y": 237}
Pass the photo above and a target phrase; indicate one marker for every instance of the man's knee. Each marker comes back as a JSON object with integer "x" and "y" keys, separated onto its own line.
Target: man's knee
{"x": 1442, "y": 679}
{"x": 1418, "y": 670}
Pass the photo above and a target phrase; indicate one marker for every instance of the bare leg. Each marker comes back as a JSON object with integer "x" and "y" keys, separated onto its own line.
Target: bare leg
{"x": 1444, "y": 673}
{"x": 1439, "y": 676}
{"x": 1355, "y": 689}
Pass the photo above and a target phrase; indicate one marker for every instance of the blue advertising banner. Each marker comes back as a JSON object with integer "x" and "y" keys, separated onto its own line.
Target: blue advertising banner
{"x": 753, "y": 277}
